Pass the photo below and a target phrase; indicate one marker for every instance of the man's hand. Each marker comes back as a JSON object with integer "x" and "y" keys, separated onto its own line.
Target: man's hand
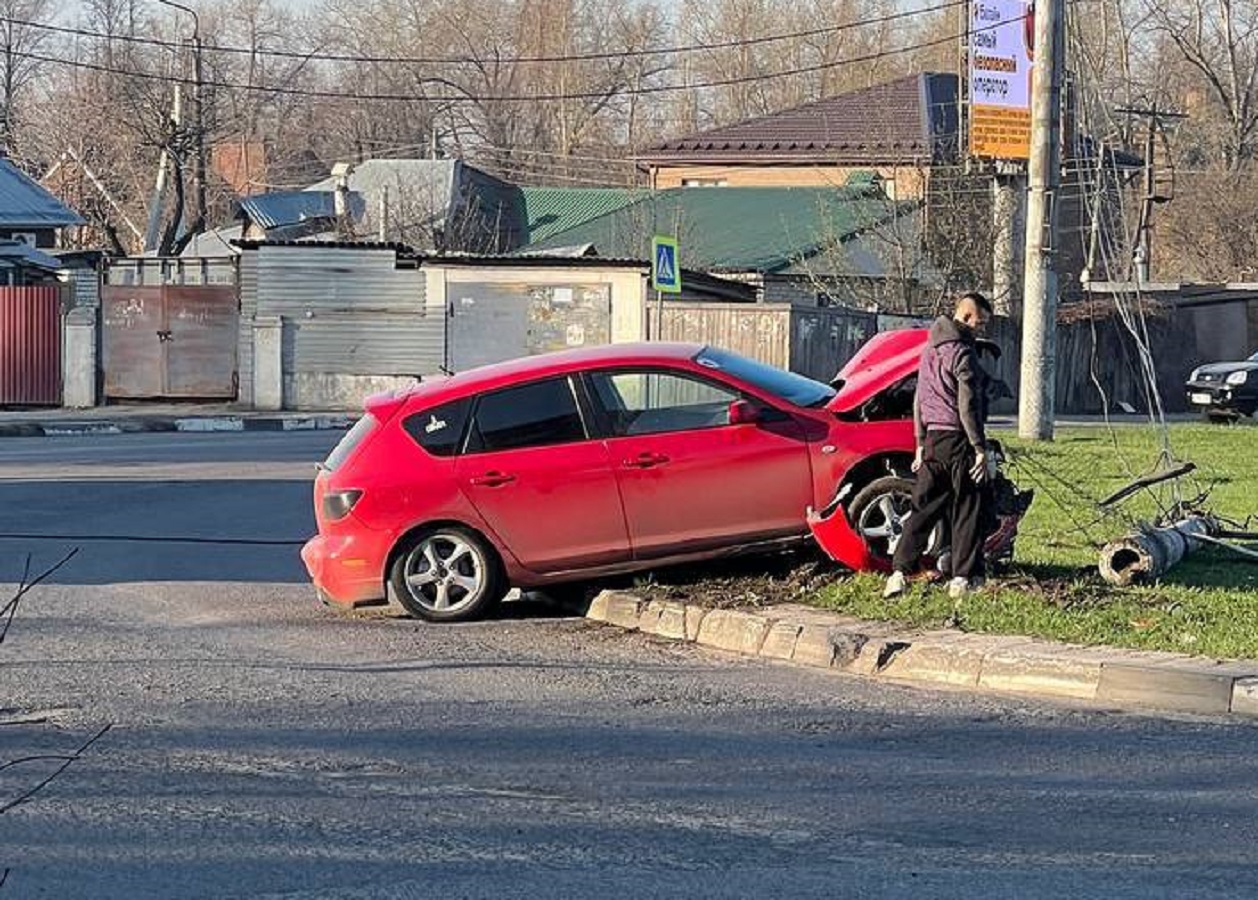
{"x": 918, "y": 458}
{"x": 979, "y": 470}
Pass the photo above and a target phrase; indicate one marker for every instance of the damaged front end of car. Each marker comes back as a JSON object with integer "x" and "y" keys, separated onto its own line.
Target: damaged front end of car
{"x": 862, "y": 524}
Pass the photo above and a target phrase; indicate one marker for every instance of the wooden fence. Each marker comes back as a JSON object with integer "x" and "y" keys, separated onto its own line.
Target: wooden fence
{"x": 1098, "y": 365}
{"x": 811, "y": 341}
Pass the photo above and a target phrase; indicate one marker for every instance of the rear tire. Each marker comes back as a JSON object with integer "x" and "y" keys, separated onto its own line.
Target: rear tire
{"x": 447, "y": 574}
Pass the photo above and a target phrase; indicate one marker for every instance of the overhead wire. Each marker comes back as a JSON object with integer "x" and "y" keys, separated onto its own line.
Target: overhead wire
{"x": 319, "y": 56}
{"x": 470, "y": 96}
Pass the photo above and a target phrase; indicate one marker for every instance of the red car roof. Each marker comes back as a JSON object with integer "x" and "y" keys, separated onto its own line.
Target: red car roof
{"x": 504, "y": 373}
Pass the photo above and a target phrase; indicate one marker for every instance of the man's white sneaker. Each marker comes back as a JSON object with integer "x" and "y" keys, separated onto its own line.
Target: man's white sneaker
{"x": 959, "y": 587}
{"x": 895, "y": 585}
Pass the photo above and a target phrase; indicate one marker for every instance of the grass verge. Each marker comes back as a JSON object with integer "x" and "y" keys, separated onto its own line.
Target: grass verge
{"x": 1207, "y": 605}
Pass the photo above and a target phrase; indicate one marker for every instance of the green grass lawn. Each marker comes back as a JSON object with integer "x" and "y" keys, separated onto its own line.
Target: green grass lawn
{"x": 1206, "y": 605}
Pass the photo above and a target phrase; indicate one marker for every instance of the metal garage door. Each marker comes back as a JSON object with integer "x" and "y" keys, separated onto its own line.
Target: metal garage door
{"x": 490, "y": 323}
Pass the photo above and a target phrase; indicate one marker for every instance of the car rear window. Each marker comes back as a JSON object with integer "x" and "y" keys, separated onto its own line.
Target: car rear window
{"x": 440, "y": 430}
{"x": 349, "y": 443}
{"x": 532, "y": 415}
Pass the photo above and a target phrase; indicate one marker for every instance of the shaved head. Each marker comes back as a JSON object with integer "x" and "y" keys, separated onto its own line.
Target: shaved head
{"x": 973, "y": 310}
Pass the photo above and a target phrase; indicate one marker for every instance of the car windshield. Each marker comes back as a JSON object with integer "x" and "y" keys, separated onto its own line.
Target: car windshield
{"x": 787, "y": 386}
{"x": 1254, "y": 358}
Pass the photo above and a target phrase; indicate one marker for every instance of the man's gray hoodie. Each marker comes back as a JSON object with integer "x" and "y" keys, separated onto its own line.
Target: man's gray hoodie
{"x": 951, "y": 385}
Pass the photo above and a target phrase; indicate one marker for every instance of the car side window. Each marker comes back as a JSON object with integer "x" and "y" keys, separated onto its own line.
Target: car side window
{"x": 531, "y": 415}
{"x": 440, "y": 430}
{"x": 655, "y": 402}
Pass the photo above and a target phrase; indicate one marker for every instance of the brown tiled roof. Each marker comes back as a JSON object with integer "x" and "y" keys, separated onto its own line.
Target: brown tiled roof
{"x": 912, "y": 119}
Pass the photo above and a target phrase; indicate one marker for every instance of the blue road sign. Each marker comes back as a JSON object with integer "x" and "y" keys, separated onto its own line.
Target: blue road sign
{"x": 665, "y": 270}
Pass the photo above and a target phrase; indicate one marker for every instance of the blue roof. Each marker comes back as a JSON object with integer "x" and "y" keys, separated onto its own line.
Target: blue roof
{"x": 280, "y": 208}
{"x": 25, "y": 203}
{"x": 24, "y": 254}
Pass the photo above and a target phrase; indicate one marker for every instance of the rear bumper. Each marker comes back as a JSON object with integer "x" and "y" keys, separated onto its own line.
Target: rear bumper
{"x": 348, "y": 570}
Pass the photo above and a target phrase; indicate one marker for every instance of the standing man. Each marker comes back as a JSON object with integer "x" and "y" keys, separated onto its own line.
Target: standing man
{"x": 951, "y": 462}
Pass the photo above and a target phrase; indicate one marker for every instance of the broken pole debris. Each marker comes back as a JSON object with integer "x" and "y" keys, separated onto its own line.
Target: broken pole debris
{"x": 1149, "y": 554}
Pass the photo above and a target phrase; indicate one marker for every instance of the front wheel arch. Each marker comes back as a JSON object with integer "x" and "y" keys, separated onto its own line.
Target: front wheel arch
{"x": 869, "y": 470}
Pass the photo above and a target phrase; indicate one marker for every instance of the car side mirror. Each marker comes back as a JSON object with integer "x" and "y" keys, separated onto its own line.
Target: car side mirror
{"x": 744, "y": 412}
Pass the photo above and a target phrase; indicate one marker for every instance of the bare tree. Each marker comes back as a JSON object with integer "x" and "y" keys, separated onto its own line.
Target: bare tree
{"x": 19, "y": 63}
{"x": 1219, "y": 39}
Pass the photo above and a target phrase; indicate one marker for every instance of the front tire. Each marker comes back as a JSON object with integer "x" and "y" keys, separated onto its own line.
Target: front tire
{"x": 447, "y": 574}
{"x": 878, "y": 513}
{"x": 1219, "y": 416}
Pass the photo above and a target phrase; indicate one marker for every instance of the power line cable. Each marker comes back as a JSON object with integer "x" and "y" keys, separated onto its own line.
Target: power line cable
{"x": 468, "y": 96}
{"x": 422, "y": 60}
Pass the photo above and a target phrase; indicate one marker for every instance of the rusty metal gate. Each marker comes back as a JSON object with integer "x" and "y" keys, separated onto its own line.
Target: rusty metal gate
{"x": 169, "y": 341}
{"x": 30, "y": 345}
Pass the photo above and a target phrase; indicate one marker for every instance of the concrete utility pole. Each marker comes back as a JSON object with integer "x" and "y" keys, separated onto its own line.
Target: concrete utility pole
{"x": 1008, "y": 238}
{"x": 198, "y": 113}
{"x": 152, "y": 233}
{"x": 1037, "y": 393}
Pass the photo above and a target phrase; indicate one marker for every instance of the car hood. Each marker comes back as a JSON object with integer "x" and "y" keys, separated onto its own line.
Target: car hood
{"x": 883, "y": 361}
{"x": 1218, "y": 371}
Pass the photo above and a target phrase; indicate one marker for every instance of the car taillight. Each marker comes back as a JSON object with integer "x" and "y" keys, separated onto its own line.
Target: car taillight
{"x": 337, "y": 505}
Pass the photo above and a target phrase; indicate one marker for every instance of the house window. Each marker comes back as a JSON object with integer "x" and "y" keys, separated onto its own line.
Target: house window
{"x": 704, "y": 182}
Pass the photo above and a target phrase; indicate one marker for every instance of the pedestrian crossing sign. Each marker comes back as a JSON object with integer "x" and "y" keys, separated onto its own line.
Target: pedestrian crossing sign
{"x": 665, "y": 272}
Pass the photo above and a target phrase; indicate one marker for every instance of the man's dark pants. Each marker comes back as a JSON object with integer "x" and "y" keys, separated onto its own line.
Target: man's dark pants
{"x": 945, "y": 490}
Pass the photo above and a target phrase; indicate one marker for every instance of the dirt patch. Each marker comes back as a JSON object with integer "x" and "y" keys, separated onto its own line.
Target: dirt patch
{"x": 744, "y": 581}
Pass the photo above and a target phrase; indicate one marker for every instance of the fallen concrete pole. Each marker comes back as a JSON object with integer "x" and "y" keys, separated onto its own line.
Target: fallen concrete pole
{"x": 1146, "y": 555}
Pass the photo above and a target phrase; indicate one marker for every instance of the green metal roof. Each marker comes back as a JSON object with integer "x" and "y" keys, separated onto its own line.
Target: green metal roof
{"x": 547, "y": 211}
{"x": 733, "y": 229}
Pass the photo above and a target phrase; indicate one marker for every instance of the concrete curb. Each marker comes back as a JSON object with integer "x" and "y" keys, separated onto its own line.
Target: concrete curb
{"x": 200, "y": 424}
{"x": 1001, "y": 664}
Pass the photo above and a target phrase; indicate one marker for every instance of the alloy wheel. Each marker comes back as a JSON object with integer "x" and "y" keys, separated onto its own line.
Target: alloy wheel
{"x": 445, "y": 573}
{"x": 882, "y": 522}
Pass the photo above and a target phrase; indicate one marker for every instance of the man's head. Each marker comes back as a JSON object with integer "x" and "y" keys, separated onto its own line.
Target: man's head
{"x": 973, "y": 311}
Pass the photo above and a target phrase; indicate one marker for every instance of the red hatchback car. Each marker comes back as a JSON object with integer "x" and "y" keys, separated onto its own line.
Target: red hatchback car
{"x": 601, "y": 461}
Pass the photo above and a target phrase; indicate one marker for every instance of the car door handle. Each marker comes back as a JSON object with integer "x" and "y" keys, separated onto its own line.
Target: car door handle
{"x": 646, "y": 461}
{"x": 492, "y": 479}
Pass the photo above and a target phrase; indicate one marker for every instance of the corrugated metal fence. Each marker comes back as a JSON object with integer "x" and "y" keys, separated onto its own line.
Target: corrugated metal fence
{"x": 810, "y": 341}
{"x": 349, "y": 312}
{"x": 30, "y": 345}
{"x": 355, "y": 320}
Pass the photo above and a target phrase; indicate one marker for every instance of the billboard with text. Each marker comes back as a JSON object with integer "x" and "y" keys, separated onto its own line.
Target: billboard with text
{"x": 1001, "y": 54}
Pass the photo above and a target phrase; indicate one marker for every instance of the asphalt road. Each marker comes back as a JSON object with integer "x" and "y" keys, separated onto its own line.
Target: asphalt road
{"x": 264, "y": 747}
